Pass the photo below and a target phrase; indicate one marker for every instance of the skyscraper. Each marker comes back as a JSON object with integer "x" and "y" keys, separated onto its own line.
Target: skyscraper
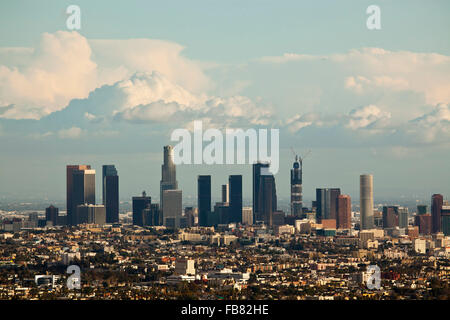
{"x": 366, "y": 201}
{"x": 139, "y": 205}
{"x": 51, "y": 214}
{"x": 437, "y": 201}
{"x": 173, "y": 208}
{"x": 258, "y": 167}
{"x": 168, "y": 176}
{"x": 267, "y": 199}
{"x": 91, "y": 213}
{"x": 203, "y": 199}
{"x": 344, "y": 212}
{"x": 110, "y": 182}
{"x": 326, "y": 203}
{"x": 390, "y": 216}
{"x": 83, "y": 191}
{"x": 296, "y": 189}
{"x": 225, "y": 193}
{"x": 235, "y": 183}
{"x": 334, "y": 194}
{"x": 69, "y": 189}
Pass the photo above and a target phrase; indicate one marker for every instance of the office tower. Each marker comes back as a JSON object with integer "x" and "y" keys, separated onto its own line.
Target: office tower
{"x": 424, "y": 222}
{"x": 366, "y": 201}
{"x": 172, "y": 208}
{"x": 225, "y": 193}
{"x": 258, "y": 168}
{"x": 390, "y": 217}
{"x": 344, "y": 212}
{"x": 322, "y": 204}
{"x": 151, "y": 215}
{"x": 267, "y": 199}
{"x": 110, "y": 182}
{"x": 83, "y": 191}
{"x": 139, "y": 205}
{"x": 247, "y": 216}
{"x": 203, "y": 199}
{"x": 445, "y": 220}
{"x": 402, "y": 217}
{"x": 221, "y": 213}
{"x": 235, "y": 183}
{"x": 168, "y": 176}
{"x": 69, "y": 190}
{"x": 422, "y": 209}
{"x": 334, "y": 194}
{"x": 189, "y": 214}
{"x": 437, "y": 200}
{"x": 91, "y": 213}
{"x": 296, "y": 189}
{"x": 278, "y": 218}
{"x": 51, "y": 214}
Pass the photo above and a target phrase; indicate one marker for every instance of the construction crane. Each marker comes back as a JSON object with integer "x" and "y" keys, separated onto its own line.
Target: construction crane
{"x": 298, "y": 158}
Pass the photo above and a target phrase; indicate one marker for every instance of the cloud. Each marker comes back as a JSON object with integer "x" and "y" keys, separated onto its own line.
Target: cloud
{"x": 66, "y": 66}
{"x": 58, "y": 70}
{"x": 71, "y": 133}
{"x": 372, "y": 72}
{"x": 430, "y": 128}
{"x": 367, "y": 117}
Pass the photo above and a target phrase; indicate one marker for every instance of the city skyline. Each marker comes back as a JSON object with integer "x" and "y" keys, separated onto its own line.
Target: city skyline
{"x": 324, "y": 92}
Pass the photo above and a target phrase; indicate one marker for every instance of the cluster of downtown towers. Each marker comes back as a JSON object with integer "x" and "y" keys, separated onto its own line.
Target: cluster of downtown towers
{"x": 330, "y": 207}
{"x": 329, "y": 204}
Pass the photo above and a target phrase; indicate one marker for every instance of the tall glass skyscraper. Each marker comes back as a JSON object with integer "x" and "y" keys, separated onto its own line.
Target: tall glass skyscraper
{"x": 110, "y": 182}
{"x": 83, "y": 190}
{"x": 235, "y": 183}
{"x": 71, "y": 209}
{"x": 204, "y": 199}
{"x": 257, "y": 169}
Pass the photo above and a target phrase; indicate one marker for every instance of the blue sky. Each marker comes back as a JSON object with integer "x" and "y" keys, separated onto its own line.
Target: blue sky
{"x": 361, "y": 100}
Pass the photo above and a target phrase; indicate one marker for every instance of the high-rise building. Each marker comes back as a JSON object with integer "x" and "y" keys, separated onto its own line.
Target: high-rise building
{"x": 110, "y": 181}
{"x": 91, "y": 213}
{"x": 225, "y": 193}
{"x": 203, "y": 199}
{"x": 51, "y": 214}
{"x": 390, "y": 217}
{"x": 267, "y": 199}
{"x": 168, "y": 176}
{"x": 344, "y": 212}
{"x": 403, "y": 216}
{"x": 235, "y": 183}
{"x": 437, "y": 201}
{"x": 296, "y": 189}
{"x": 221, "y": 214}
{"x": 422, "y": 209}
{"x": 172, "y": 208}
{"x": 424, "y": 222}
{"x": 247, "y": 216}
{"x": 445, "y": 220}
{"x": 69, "y": 190}
{"x": 139, "y": 205}
{"x": 259, "y": 168}
{"x": 366, "y": 201}
{"x": 83, "y": 191}
{"x": 151, "y": 215}
{"x": 326, "y": 203}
